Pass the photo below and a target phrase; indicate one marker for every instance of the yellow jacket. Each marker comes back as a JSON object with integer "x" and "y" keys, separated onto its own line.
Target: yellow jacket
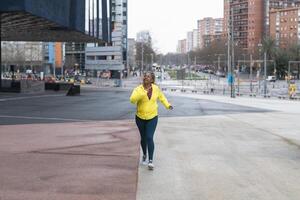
{"x": 148, "y": 109}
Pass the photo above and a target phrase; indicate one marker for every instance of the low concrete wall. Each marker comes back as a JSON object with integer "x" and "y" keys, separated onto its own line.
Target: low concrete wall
{"x": 11, "y": 86}
{"x": 23, "y": 86}
{"x": 58, "y": 86}
{"x": 29, "y": 86}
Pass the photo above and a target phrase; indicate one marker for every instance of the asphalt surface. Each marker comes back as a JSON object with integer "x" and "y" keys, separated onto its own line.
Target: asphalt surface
{"x": 94, "y": 105}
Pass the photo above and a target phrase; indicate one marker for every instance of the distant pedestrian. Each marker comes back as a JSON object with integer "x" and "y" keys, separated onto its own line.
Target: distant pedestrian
{"x": 145, "y": 97}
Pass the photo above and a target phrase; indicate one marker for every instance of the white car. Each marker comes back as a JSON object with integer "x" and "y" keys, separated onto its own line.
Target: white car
{"x": 271, "y": 78}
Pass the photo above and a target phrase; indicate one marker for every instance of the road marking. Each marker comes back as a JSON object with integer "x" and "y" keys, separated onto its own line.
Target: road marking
{"x": 43, "y": 118}
{"x": 31, "y": 97}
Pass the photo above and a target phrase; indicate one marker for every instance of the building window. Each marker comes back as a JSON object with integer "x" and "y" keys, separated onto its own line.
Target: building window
{"x": 101, "y": 57}
{"x": 90, "y": 57}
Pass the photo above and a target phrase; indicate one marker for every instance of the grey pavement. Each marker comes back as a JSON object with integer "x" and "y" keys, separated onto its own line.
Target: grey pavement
{"x": 99, "y": 104}
{"x": 233, "y": 156}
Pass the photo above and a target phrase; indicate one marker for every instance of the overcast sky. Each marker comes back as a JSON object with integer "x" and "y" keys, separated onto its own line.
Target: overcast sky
{"x": 169, "y": 20}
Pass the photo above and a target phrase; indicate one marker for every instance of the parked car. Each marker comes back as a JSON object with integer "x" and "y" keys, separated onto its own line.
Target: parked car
{"x": 271, "y": 78}
{"x": 221, "y": 74}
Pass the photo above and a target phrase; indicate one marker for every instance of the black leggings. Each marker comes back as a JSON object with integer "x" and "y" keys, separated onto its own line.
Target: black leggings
{"x": 147, "y": 129}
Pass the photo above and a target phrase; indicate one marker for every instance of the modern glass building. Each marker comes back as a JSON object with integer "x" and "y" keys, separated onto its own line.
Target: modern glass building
{"x": 113, "y": 55}
{"x": 54, "y": 21}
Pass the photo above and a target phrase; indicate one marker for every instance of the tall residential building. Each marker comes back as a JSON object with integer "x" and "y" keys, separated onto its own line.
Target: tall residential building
{"x": 195, "y": 39}
{"x": 131, "y": 53}
{"x": 247, "y": 19}
{"x": 285, "y": 26}
{"x": 189, "y": 41}
{"x": 119, "y": 11}
{"x": 251, "y": 19}
{"x": 182, "y": 46}
{"x": 209, "y": 28}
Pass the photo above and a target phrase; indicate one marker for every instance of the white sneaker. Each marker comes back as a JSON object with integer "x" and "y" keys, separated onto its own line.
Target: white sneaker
{"x": 144, "y": 160}
{"x": 150, "y": 165}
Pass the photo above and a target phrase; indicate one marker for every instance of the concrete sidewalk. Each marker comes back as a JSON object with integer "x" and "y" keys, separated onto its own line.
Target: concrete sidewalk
{"x": 253, "y": 156}
{"x": 272, "y": 104}
{"x": 69, "y": 161}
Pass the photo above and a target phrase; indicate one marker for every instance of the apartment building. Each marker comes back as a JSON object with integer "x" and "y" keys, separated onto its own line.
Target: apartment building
{"x": 277, "y": 4}
{"x": 245, "y": 20}
{"x": 250, "y": 20}
{"x": 189, "y": 41}
{"x": 131, "y": 53}
{"x": 208, "y": 29}
{"x": 182, "y": 46}
{"x": 285, "y": 26}
{"x": 270, "y": 5}
{"x": 195, "y": 39}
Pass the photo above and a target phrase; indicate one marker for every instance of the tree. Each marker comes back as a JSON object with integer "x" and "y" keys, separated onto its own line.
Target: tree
{"x": 269, "y": 46}
{"x": 145, "y": 54}
{"x": 281, "y": 60}
{"x": 70, "y": 61}
{"x": 294, "y": 55}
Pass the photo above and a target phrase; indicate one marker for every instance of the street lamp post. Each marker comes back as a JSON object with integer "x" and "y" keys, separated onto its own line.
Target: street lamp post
{"x": 230, "y": 42}
{"x": 260, "y": 66}
{"x": 251, "y": 75}
{"x": 265, "y": 74}
{"x": 219, "y": 60}
{"x": 142, "y": 67}
{"x": 189, "y": 65}
{"x": 151, "y": 60}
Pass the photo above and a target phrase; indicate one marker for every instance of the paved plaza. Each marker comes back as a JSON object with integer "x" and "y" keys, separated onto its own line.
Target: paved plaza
{"x": 87, "y": 147}
{"x": 229, "y": 156}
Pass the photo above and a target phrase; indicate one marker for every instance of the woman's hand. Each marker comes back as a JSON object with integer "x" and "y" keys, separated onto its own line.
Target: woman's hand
{"x": 171, "y": 108}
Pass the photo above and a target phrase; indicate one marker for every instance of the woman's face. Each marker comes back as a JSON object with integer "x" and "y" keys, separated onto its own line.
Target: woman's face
{"x": 147, "y": 78}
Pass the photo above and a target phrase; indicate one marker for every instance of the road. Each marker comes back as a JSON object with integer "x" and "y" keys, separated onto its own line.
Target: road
{"x": 95, "y": 104}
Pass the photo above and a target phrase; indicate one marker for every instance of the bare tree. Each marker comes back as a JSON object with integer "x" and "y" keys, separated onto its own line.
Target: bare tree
{"x": 70, "y": 61}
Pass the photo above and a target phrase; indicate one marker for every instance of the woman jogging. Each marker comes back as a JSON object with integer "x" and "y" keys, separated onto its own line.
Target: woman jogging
{"x": 145, "y": 97}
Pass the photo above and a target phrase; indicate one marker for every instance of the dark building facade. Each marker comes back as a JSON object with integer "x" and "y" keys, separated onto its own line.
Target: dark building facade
{"x": 53, "y": 21}
{"x": 47, "y": 20}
